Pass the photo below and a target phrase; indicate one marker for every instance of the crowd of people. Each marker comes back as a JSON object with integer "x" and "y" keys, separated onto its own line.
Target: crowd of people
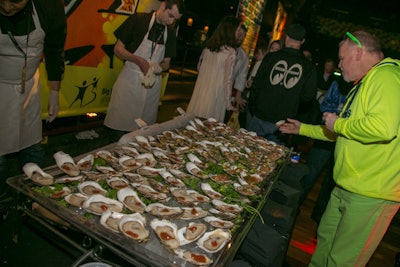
{"x": 353, "y": 120}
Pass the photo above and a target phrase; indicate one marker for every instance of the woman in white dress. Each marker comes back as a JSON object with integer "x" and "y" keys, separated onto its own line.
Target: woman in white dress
{"x": 213, "y": 89}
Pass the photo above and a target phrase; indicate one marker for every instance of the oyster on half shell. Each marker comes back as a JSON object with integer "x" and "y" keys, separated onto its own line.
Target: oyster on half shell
{"x": 66, "y": 163}
{"x": 191, "y": 233}
{"x": 131, "y": 200}
{"x": 193, "y": 257}
{"x": 163, "y": 211}
{"x": 134, "y": 226}
{"x": 111, "y": 219}
{"x": 190, "y": 213}
{"x": 214, "y": 241}
{"x": 167, "y": 232}
{"x": 91, "y": 188}
{"x": 218, "y": 223}
{"x": 86, "y": 163}
{"x": 98, "y": 204}
{"x": 76, "y": 199}
{"x": 37, "y": 175}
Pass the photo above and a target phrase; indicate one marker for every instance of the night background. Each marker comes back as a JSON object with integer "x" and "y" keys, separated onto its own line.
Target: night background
{"x": 326, "y": 22}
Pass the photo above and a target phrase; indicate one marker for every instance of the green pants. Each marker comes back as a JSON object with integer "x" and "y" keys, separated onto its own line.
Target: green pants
{"x": 351, "y": 229}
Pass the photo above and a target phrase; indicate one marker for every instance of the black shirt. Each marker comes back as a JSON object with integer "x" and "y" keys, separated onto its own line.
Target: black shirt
{"x": 284, "y": 79}
{"x": 53, "y": 21}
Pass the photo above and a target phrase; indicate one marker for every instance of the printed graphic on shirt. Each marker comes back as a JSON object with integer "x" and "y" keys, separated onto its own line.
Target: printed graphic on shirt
{"x": 283, "y": 74}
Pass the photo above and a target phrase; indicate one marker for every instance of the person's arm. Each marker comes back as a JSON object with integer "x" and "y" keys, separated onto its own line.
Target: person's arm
{"x": 121, "y": 52}
{"x": 54, "y": 22}
{"x": 378, "y": 120}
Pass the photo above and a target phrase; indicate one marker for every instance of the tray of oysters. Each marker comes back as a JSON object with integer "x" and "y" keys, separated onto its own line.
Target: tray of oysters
{"x": 186, "y": 191}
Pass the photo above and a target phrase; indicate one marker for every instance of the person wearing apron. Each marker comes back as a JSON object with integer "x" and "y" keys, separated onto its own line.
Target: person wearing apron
{"x": 133, "y": 95}
{"x": 21, "y": 49}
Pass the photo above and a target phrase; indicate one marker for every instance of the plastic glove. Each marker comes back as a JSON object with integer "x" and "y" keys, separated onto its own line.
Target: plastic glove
{"x": 156, "y": 68}
{"x": 54, "y": 106}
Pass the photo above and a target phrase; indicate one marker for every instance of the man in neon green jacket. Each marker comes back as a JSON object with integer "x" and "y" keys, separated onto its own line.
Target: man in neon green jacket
{"x": 367, "y": 154}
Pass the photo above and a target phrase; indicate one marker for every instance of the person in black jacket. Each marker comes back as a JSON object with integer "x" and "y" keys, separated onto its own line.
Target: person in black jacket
{"x": 284, "y": 80}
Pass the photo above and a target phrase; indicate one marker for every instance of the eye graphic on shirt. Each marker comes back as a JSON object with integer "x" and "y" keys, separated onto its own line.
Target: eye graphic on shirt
{"x": 289, "y": 77}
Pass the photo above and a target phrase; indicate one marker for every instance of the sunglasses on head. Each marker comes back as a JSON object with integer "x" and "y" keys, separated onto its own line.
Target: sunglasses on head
{"x": 353, "y": 38}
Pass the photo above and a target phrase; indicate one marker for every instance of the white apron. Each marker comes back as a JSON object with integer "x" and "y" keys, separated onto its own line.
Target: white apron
{"x": 130, "y": 100}
{"x": 20, "y": 120}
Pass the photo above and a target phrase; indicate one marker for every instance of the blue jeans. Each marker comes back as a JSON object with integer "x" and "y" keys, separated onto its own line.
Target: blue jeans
{"x": 34, "y": 153}
{"x": 263, "y": 128}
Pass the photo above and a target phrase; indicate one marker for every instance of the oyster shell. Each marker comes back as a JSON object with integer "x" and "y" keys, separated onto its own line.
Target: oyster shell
{"x": 246, "y": 190}
{"x": 149, "y": 192}
{"x": 130, "y": 151}
{"x": 143, "y": 141}
{"x": 191, "y": 213}
{"x": 107, "y": 156}
{"x": 95, "y": 175}
{"x": 66, "y": 163}
{"x": 37, "y": 175}
{"x": 163, "y": 211}
{"x": 129, "y": 163}
{"x": 134, "y": 226}
{"x": 117, "y": 182}
{"x": 167, "y": 232}
{"x": 191, "y": 233}
{"x": 90, "y": 188}
{"x": 149, "y": 171}
{"x": 59, "y": 193}
{"x": 76, "y": 199}
{"x": 209, "y": 191}
{"x": 199, "y": 197}
{"x": 195, "y": 170}
{"x": 182, "y": 196}
{"x": 178, "y": 173}
{"x": 86, "y": 163}
{"x": 222, "y": 206}
{"x": 167, "y": 176}
{"x": 98, "y": 204}
{"x": 146, "y": 159}
{"x": 214, "y": 241}
{"x": 193, "y": 257}
{"x": 68, "y": 179}
{"x": 107, "y": 170}
{"x": 136, "y": 178}
{"x": 111, "y": 220}
{"x": 131, "y": 200}
{"x": 221, "y": 178}
{"x": 224, "y": 215}
{"x": 218, "y": 223}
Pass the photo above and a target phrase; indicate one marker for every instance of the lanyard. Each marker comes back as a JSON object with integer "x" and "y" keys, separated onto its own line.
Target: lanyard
{"x": 25, "y": 53}
{"x": 346, "y": 112}
{"x": 154, "y": 43}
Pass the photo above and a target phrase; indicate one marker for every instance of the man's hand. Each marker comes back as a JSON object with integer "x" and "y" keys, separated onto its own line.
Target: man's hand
{"x": 53, "y": 106}
{"x": 330, "y": 119}
{"x": 290, "y": 127}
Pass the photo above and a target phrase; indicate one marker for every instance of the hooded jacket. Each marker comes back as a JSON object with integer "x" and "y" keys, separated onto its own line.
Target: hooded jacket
{"x": 367, "y": 150}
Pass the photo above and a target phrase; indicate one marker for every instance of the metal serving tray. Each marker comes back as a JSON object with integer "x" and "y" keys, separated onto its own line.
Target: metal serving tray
{"x": 151, "y": 253}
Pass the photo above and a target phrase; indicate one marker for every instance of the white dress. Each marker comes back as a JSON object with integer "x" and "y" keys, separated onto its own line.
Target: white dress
{"x": 213, "y": 89}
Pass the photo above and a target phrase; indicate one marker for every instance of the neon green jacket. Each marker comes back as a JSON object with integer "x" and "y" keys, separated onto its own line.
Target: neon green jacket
{"x": 367, "y": 151}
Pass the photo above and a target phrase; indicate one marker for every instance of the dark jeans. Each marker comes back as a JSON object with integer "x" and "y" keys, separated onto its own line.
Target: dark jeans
{"x": 316, "y": 160}
{"x": 264, "y": 129}
{"x": 34, "y": 153}
{"x": 324, "y": 193}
